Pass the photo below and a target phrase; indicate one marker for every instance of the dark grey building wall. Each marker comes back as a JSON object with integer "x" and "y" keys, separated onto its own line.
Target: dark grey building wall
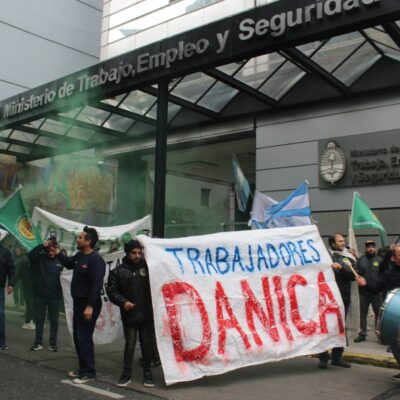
{"x": 287, "y": 154}
{"x": 42, "y": 40}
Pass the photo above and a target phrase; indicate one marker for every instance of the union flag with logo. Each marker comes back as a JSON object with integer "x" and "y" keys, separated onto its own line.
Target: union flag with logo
{"x": 15, "y": 218}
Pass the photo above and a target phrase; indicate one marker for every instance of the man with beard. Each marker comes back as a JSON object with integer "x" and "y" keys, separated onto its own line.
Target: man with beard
{"x": 86, "y": 285}
{"x": 129, "y": 288}
{"x": 343, "y": 262}
{"x": 368, "y": 266}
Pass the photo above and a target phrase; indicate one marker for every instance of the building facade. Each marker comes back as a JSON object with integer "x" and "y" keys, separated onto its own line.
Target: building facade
{"x": 43, "y": 40}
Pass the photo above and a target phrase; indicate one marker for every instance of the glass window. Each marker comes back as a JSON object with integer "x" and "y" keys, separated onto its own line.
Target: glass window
{"x": 23, "y": 136}
{"x": 336, "y": 50}
{"x": 114, "y": 101}
{"x": 4, "y": 146}
{"x": 71, "y": 113}
{"x": 230, "y": 69}
{"x": 357, "y": 64}
{"x": 193, "y": 86}
{"x": 56, "y": 127}
{"x": 205, "y": 197}
{"x": 118, "y": 123}
{"x": 173, "y": 109}
{"x": 257, "y": 70}
{"x": 19, "y": 149}
{"x": 34, "y": 124}
{"x": 157, "y": 12}
{"x": 138, "y": 102}
{"x": 92, "y": 115}
{"x": 218, "y": 96}
{"x": 80, "y": 133}
{"x": 5, "y": 133}
{"x": 49, "y": 142}
{"x": 283, "y": 80}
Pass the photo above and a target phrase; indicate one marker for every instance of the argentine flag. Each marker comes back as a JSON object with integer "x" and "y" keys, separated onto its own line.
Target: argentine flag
{"x": 293, "y": 211}
{"x": 242, "y": 187}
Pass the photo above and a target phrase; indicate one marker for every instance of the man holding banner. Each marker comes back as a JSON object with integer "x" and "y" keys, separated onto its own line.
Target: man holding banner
{"x": 129, "y": 288}
{"x": 86, "y": 285}
{"x": 343, "y": 267}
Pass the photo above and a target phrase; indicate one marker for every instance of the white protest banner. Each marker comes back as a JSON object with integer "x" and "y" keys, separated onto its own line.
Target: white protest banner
{"x": 109, "y": 324}
{"x": 232, "y": 299}
{"x": 67, "y": 231}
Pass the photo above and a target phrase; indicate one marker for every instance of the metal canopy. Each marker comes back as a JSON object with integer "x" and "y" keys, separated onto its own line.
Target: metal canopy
{"x": 263, "y": 74}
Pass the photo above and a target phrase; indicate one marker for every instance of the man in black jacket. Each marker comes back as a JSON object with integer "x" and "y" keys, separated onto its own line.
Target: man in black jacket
{"x": 129, "y": 288}
{"x": 86, "y": 286}
{"x": 7, "y": 279}
{"x": 342, "y": 265}
{"x": 389, "y": 280}
{"x": 45, "y": 274}
{"x": 368, "y": 266}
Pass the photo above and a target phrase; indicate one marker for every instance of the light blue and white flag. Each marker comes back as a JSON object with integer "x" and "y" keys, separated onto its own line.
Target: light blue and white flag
{"x": 260, "y": 210}
{"x": 293, "y": 211}
{"x": 242, "y": 187}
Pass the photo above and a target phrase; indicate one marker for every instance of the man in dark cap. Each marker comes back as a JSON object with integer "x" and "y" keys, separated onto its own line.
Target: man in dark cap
{"x": 129, "y": 288}
{"x": 368, "y": 267}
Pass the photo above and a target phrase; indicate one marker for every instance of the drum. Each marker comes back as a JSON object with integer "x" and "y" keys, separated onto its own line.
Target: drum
{"x": 388, "y": 324}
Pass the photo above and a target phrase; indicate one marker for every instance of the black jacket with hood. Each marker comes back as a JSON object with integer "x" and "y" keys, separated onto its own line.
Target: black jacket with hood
{"x": 130, "y": 282}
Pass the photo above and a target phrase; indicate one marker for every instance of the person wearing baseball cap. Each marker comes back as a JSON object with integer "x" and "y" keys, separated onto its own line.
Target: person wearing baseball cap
{"x": 368, "y": 267}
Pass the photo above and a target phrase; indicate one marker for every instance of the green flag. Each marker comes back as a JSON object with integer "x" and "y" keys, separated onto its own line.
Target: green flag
{"x": 362, "y": 217}
{"x": 16, "y": 220}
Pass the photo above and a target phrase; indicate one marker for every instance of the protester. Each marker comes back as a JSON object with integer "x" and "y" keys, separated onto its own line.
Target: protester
{"x": 86, "y": 285}
{"x": 389, "y": 280}
{"x": 7, "y": 281}
{"x": 24, "y": 278}
{"x": 46, "y": 270}
{"x": 129, "y": 288}
{"x": 343, "y": 261}
{"x": 368, "y": 267}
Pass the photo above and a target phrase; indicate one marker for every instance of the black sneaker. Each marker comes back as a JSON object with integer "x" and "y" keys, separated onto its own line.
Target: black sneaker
{"x": 341, "y": 363}
{"x": 323, "y": 364}
{"x": 360, "y": 338}
{"x": 2, "y": 348}
{"x": 83, "y": 379}
{"x": 124, "y": 380}
{"x": 396, "y": 377}
{"x": 53, "y": 348}
{"x": 148, "y": 380}
{"x": 36, "y": 347}
{"x": 74, "y": 374}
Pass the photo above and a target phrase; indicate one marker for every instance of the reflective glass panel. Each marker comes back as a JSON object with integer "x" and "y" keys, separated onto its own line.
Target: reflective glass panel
{"x": 118, "y": 123}
{"x": 4, "y": 146}
{"x": 45, "y": 141}
{"x": 193, "y": 86}
{"x": 283, "y": 80}
{"x": 381, "y": 37}
{"x": 230, "y": 69}
{"x": 71, "y": 113}
{"x": 173, "y": 109}
{"x": 56, "y": 127}
{"x": 138, "y": 102}
{"x": 257, "y": 70}
{"x": 309, "y": 48}
{"x": 92, "y": 115}
{"x": 357, "y": 64}
{"x": 218, "y": 96}
{"x": 19, "y": 149}
{"x": 23, "y": 136}
{"x": 336, "y": 50}
{"x": 5, "y": 133}
{"x": 80, "y": 133}
{"x": 113, "y": 101}
{"x": 34, "y": 124}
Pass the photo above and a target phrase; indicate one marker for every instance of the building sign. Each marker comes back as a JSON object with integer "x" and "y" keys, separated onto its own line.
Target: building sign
{"x": 261, "y": 30}
{"x": 370, "y": 159}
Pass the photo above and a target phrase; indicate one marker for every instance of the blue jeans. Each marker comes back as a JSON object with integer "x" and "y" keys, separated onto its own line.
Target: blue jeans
{"x": 2, "y": 318}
